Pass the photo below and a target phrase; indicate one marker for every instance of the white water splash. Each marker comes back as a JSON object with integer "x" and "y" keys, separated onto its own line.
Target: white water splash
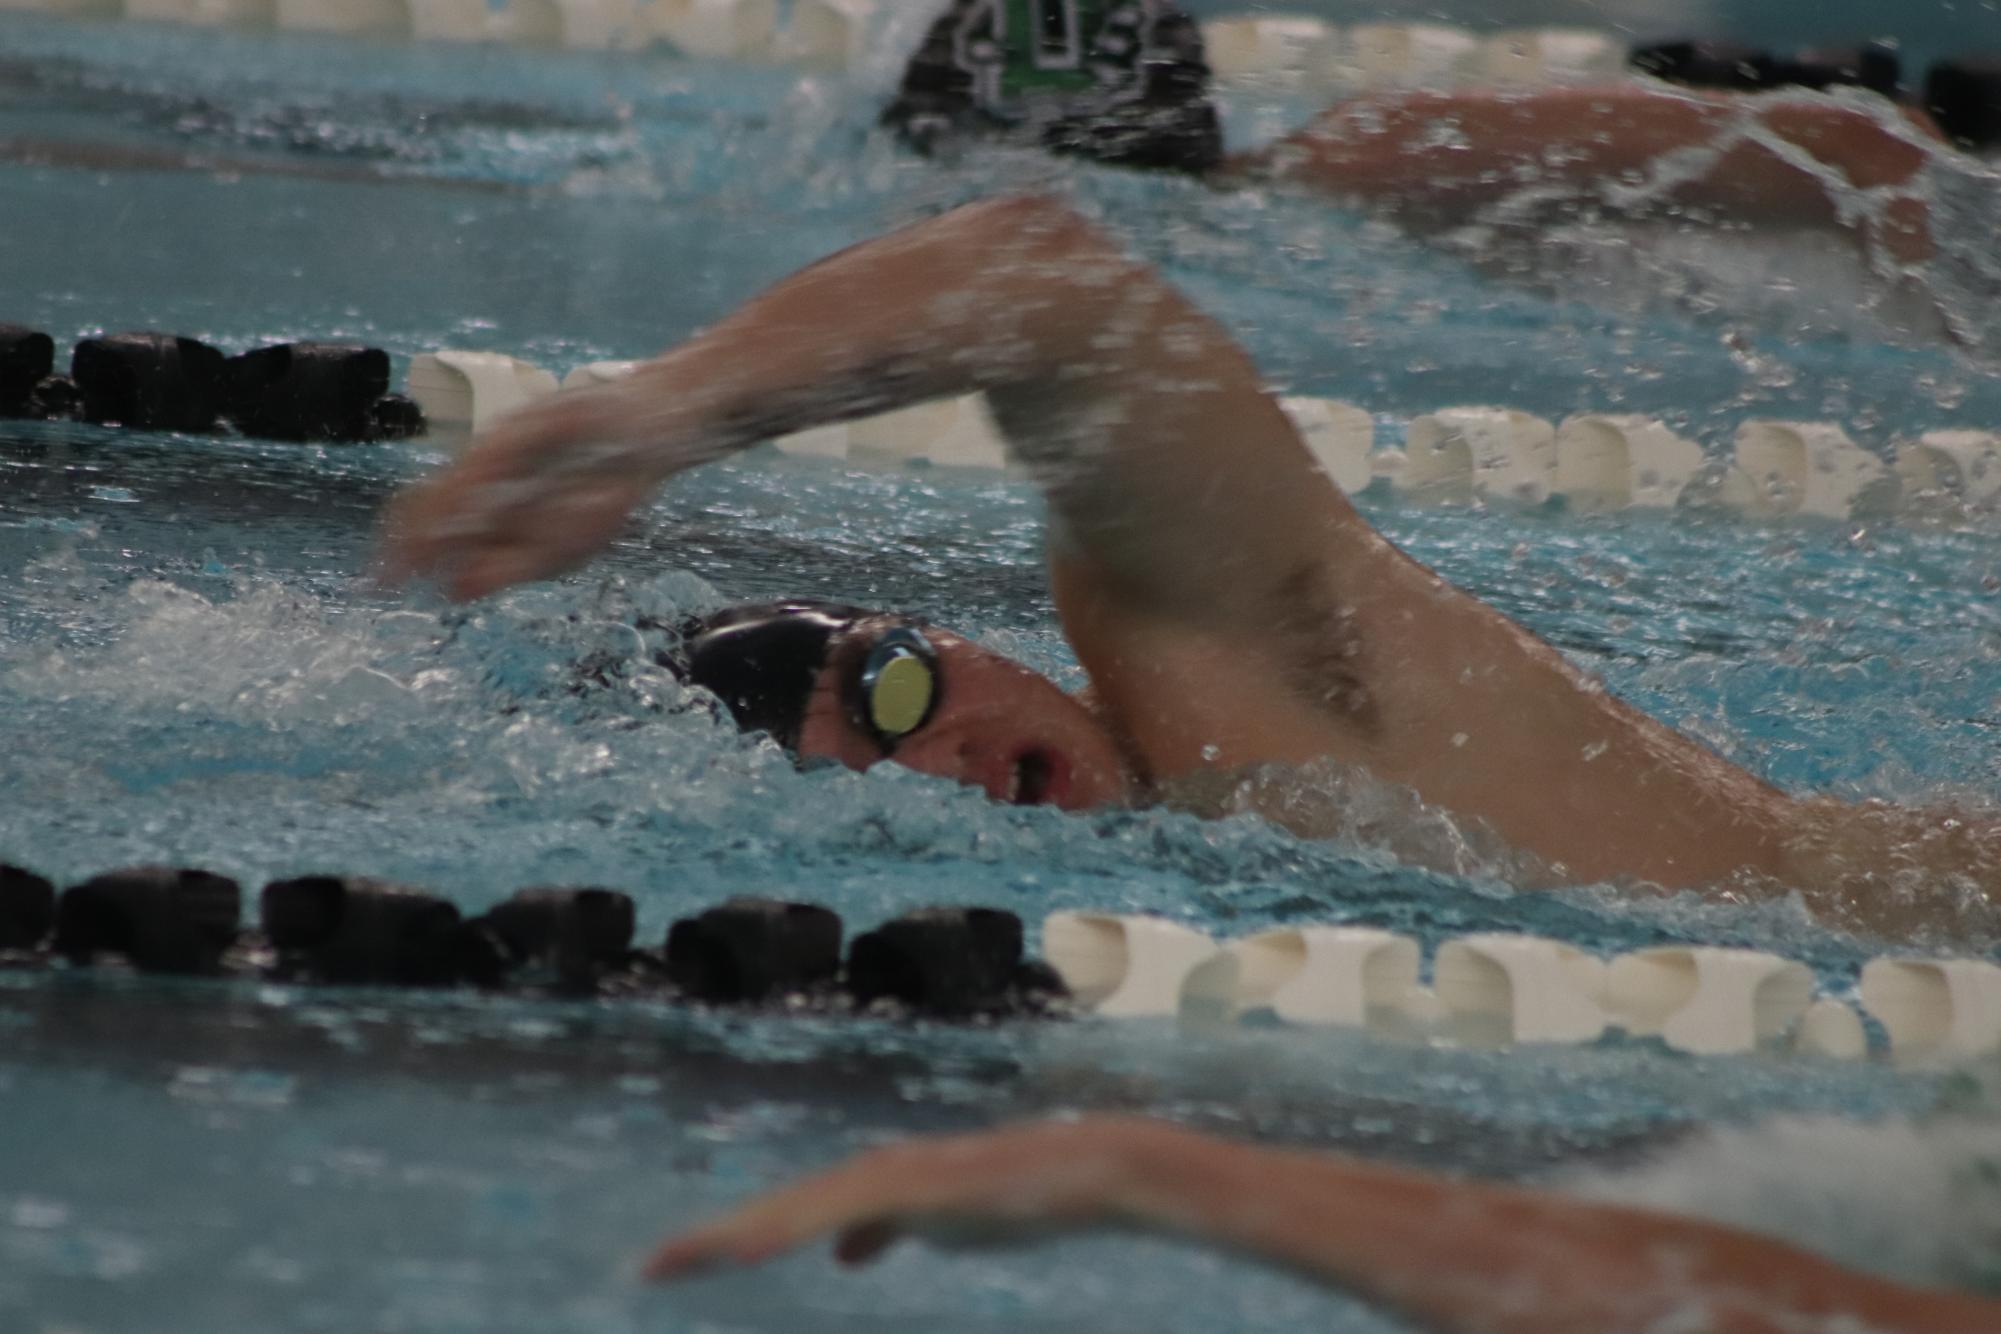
{"x": 1915, "y": 1200}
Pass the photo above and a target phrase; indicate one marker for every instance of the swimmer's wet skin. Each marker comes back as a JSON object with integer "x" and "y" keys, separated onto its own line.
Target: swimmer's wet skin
{"x": 1231, "y": 607}
{"x": 1458, "y": 1256}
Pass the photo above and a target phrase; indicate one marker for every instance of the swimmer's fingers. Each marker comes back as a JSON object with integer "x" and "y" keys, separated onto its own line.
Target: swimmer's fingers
{"x": 841, "y": 1203}
{"x": 474, "y": 551}
{"x": 998, "y": 1186}
{"x": 860, "y": 1245}
{"x": 541, "y": 492}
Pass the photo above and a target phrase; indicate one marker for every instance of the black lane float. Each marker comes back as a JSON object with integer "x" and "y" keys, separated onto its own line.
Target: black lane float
{"x": 319, "y": 393}
{"x": 347, "y": 930}
{"x": 27, "y": 358}
{"x": 752, "y": 950}
{"x": 1729, "y": 66}
{"x": 959, "y": 961}
{"x": 160, "y": 919}
{"x": 1961, "y": 95}
{"x": 1964, "y": 97}
{"x": 27, "y": 909}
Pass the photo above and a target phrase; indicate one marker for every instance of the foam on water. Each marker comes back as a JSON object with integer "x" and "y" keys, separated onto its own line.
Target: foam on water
{"x": 1916, "y": 1200}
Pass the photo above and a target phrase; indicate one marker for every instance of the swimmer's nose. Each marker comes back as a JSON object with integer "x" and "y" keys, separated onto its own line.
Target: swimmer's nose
{"x": 1021, "y": 773}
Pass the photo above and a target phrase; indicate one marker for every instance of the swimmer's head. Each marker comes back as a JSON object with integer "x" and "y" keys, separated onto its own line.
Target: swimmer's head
{"x": 1118, "y": 81}
{"x": 832, "y": 681}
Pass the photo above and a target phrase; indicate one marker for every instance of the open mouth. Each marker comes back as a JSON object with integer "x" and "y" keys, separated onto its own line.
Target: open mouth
{"x": 1033, "y": 780}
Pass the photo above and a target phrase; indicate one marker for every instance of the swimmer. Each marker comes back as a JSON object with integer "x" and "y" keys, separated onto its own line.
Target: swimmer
{"x": 1136, "y": 94}
{"x": 1452, "y": 1255}
{"x": 1234, "y": 612}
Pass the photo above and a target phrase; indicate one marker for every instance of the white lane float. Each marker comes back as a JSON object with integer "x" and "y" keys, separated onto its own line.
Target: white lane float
{"x": 1498, "y": 990}
{"x": 1614, "y": 461}
{"x": 598, "y": 372}
{"x": 456, "y": 21}
{"x": 1281, "y": 52}
{"x": 1596, "y": 461}
{"x": 829, "y": 34}
{"x": 717, "y": 29}
{"x": 1389, "y": 465}
{"x": 1945, "y": 1008}
{"x": 216, "y": 13}
{"x": 347, "y": 18}
{"x": 577, "y": 25}
{"x": 1341, "y": 437}
{"x": 1344, "y": 976}
{"x": 1502, "y": 990}
{"x": 1407, "y": 55}
{"x": 1944, "y": 469}
{"x": 82, "y": 9}
{"x": 1124, "y": 966}
{"x": 1831, "y": 1028}
{"x": 1785, "y": 467}
{"x": 467, "y": 390}
{"x": 1708, "y": 1001}
{"x": 819, "y": 442}
{"x": 1543, "y": 56}
{"x": 1458, "y": 455}
{"x": 951, "y": 432}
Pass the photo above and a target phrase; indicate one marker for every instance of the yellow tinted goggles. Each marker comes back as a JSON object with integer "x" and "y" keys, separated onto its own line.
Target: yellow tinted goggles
{"x": 898, "y": 687}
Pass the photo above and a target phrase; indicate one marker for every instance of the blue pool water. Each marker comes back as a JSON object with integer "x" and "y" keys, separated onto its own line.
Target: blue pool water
{"x": 192, "y": 668}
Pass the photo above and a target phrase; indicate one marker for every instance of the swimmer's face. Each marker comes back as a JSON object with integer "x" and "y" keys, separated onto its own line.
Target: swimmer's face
{"x": 986, "y": 721}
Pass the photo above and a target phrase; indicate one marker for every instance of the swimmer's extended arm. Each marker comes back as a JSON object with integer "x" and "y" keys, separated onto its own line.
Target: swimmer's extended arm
{"x": 1457, "y": 1256}
{"x": 1231, "y": 606}
{"x": 1634, "y": 147}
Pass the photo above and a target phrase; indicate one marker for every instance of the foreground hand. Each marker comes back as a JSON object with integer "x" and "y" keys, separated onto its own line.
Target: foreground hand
{"x": 1012, "y": 1183}
{"x": 542, "y": 492}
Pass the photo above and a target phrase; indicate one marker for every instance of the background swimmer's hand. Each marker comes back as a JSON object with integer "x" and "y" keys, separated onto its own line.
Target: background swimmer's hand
{"x": 1005, "y": 1185}
{"x": 541, "y": 492}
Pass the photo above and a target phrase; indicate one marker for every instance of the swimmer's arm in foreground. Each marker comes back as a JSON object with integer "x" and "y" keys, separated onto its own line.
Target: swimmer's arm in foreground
{"x": 1454, "y": 1255}
{"x": 1230, "y": 605}
{"x": 1437, "y": 157}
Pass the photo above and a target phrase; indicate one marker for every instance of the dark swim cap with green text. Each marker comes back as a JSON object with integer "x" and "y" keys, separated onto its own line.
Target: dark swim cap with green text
{"x": 1119, "y": 81}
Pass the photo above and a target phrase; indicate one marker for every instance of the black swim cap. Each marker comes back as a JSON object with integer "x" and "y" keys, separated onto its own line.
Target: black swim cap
{"x": 761, "y": 660}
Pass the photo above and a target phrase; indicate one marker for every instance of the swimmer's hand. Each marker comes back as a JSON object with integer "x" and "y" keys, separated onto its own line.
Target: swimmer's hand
{"x": 1008, "y": 1185}
{"x": 541, "y": 492}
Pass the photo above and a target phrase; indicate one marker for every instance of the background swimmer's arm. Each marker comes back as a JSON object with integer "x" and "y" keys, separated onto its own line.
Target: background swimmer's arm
{"x": 1438, "y": 156}
{"x": 1230, "y": 604}
{"x": 1457, "y": 1256}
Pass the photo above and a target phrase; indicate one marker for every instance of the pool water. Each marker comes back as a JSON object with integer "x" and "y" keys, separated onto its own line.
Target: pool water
{"x": 193, "y": 668}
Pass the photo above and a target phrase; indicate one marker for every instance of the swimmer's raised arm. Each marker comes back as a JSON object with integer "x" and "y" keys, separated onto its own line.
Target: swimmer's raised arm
{"x": 1231, "y": 607}
{"x": 1458, "y": 1256}
{"x": 1122, "y": 396}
